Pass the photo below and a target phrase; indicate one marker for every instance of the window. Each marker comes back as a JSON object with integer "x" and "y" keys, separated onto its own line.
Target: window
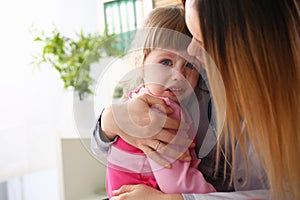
{"x": 121, "y": 19}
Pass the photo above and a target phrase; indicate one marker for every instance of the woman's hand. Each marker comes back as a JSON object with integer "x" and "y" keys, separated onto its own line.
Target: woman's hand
{"x": 140, "y": 126}
{"x": 134, "y": 192}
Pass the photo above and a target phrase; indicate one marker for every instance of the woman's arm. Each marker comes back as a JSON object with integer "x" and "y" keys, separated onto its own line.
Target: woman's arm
{"x": 100, "y": 143}
{"x": 130, "y": 117}
{"x": 249, "y": 195}
{"x": 134, "y": 192}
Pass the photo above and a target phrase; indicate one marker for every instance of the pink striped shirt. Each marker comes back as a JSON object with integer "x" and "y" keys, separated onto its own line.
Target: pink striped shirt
{"x": 129, "y": 165}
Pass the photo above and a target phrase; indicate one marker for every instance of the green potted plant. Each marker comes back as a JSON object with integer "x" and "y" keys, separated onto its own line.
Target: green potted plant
{"x": 72, "y": 58}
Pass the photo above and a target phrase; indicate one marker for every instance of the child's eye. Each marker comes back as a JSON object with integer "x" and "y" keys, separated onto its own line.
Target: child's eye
{"x": 166, "y": 62}
{"x": 190, "y": 65}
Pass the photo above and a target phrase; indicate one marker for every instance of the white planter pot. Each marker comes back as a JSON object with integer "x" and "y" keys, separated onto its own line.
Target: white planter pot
{"x": 84, "y": 117}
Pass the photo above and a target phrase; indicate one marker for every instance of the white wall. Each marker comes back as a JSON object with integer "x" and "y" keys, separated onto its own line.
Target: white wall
{"x": 80, "y": 14}
{"x": 34, "y": 109}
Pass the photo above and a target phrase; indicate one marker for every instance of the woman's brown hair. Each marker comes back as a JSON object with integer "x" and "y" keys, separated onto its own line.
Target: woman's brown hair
{"x": 256, "y": 47}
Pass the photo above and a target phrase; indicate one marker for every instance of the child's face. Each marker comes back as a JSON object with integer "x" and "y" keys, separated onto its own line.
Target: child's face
{"x": 168, "y": 74}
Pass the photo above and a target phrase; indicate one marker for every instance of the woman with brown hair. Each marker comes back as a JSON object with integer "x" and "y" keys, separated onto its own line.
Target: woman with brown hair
{"x": 255, "y": 45}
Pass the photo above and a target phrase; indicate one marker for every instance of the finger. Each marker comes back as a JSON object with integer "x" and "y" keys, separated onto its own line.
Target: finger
{"x": 169, "y": 122}
{"x": 185, "y": 157}
{"x": 155, "y": 156}
{"x": 172, "y": 123}
{"x": 168, "y": 137}
{"x": 157, "y": 103}
{"x": 154, "y": 144}
{"x": 173, "y": 153}
{"x": 123, "y": 189}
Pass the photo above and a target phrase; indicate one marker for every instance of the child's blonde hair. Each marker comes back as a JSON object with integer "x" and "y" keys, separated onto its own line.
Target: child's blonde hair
{"x": 167, "y": 29}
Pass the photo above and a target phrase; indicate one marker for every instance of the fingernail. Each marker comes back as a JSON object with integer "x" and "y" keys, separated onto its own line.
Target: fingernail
{"x": 169, "y": 166}
{"x": 188, "y": 158}
{"x": 170, "y": 109}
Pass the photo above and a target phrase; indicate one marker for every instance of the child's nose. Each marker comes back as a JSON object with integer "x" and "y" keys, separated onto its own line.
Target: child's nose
{"x": 178, "y": 72}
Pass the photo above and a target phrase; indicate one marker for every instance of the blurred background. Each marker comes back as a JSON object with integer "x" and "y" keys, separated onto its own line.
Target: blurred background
{"x": 44, "y": 131}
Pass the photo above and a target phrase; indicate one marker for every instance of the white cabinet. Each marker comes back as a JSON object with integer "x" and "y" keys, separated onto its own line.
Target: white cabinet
{"x": 83, "y": 175}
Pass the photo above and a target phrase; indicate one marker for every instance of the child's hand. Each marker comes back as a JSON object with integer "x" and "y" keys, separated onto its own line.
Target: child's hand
{"x": 133, "y": 192}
